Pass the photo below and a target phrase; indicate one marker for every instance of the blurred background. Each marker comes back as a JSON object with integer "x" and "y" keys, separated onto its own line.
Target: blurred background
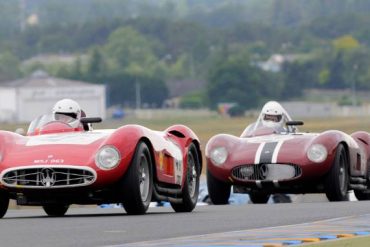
{"x": 142, "y": 60}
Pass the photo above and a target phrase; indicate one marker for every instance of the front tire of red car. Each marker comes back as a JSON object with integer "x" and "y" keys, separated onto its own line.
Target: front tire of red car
{"x": 138, "y": 182}
{"x": 55, "y": 210}
{"x": 336, "y": 181}
{"x": 4, "y": 203}
{"x": 190, "y": 190}
{"x": 219, "y": 192}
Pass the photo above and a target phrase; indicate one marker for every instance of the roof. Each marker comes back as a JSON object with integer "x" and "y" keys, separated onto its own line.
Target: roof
{"x": 42, "y": 79}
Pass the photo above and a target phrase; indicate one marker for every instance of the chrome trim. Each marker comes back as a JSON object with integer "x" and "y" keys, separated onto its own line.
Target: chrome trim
{"x": 261, "y": 171}
{"x": 49, "y": 179}
{"x": 259, "y": 183}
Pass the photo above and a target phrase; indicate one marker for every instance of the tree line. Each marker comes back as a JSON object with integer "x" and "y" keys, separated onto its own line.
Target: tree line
{"x": 126, "y": 44}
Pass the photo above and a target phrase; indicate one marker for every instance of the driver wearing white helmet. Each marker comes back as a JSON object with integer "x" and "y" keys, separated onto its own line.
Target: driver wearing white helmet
{"x": 68, "y": 111}
{"x": 273, "y": 115}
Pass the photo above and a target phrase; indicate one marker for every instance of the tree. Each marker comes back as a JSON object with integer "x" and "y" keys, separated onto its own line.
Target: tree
{"x": 96, "y": 65}
{"x": 126, "y": 46}
{"x": 345, "y": 43}
{"x": 122, "y": 89}
{"x": 234, "y": 79}
{"x": 9, "y": 65}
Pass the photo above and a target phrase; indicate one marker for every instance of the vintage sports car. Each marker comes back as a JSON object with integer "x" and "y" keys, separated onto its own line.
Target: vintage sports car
{"x": 265, "y": 161}
{"x": 56, "y": 165}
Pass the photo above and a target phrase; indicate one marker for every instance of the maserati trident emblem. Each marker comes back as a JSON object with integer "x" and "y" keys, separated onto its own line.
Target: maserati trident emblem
{"x": 47, "y": 177}
{"x": 263, "y": 171}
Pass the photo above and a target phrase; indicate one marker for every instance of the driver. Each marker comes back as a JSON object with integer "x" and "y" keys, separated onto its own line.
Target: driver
{"x": 272, "y": 115}
{"x": 68, "y": 111}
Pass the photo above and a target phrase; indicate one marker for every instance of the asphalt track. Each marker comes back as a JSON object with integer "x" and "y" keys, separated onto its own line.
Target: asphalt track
{"x": 94, "y": 226}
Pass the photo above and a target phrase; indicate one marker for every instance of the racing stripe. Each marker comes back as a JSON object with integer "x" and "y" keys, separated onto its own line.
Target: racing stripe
{"x": 258, "y": 153}
{"x": 267, "y": 152}
{"x": 276, "y": 151}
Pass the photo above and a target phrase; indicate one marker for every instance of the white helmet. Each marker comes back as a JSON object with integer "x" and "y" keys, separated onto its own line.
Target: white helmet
{"x": 272, "y": 115}
{"x": 68, "y": 111}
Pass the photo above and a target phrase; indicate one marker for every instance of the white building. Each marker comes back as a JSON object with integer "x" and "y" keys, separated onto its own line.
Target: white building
{"x": 25, "y": 99}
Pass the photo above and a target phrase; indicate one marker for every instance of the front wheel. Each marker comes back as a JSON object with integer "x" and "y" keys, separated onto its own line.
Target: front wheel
{"x": 190, "y": 190}
{"x": 55, "y": 210}
{"x": 258, "y": 197}
{"x": 219, "y": 191}
{"x": 138, "y": 182}
{"x": 4, "y": 203}
{"x": 336, "y": 181}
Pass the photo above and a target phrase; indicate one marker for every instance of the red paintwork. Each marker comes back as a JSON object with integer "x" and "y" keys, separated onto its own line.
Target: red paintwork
{"x": 242, "y": 151}
{"x": 66, "y": 146}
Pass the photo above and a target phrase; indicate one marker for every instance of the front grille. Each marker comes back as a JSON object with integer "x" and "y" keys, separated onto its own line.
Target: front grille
{"x": 266, "y": 172}
{"x": 48, "y": 177}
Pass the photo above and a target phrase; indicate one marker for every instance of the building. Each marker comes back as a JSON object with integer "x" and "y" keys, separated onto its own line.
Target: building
{"x": 25, "y": 99}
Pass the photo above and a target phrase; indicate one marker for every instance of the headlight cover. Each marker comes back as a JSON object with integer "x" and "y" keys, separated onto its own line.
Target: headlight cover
{"x": 219, "y": 155}
{"x": 317, "y": 153}
{"x": 107, "y": 158}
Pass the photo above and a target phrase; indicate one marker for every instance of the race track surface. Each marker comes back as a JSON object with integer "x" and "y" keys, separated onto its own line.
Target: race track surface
{"x": 92, "y": 226}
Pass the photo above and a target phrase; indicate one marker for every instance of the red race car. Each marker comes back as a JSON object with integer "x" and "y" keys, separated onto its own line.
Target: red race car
{"x": 272, "y": 156}
{"x": 56, "y": 165}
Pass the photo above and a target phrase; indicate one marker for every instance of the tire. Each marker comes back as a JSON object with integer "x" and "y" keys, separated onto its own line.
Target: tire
{"x": 362, "y": 196}
{"x": 259, "y": 197}
{"x": 55, "y": 210}
{"x": 4, "y": 203}
{"x": 190, "y": 190}
{"x": 336, "y": 181}
{"x": 137, "y": 184}
{"x": 219, "y": 192}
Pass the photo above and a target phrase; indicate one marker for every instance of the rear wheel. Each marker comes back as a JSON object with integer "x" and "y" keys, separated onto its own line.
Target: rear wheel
{"x": 336, "y": 181}
{"x": 219, "y": 192}
{"x": 55, "y": 210}
{"x": 191, "y": 186}
{"x": 137, "y": 182}
{"x": 258, "y": 197}
{"x": 4, "y": 203}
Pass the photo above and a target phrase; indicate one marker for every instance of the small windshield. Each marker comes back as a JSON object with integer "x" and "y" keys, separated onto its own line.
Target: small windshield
{"x": 256, "y": 127}
{"x": 43, "y": 120}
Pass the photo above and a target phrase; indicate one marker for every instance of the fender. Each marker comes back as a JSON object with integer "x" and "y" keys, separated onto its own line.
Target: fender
{"x": 126, "y": 138}
{"x": 185, "y": 136}
{"x": 332, "y": 138}
{"x": 183, "y": 133}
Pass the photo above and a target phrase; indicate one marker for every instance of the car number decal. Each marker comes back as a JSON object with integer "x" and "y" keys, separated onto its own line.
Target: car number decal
{"x": 178, "y": 164}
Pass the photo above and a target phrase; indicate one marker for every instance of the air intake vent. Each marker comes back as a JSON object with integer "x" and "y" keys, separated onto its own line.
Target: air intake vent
{"x": 48, "y": 177}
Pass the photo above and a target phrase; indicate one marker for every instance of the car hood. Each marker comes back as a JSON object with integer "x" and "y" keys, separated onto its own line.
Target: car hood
{"x": 275, "y": 148}
{"x": 52, "y": 149}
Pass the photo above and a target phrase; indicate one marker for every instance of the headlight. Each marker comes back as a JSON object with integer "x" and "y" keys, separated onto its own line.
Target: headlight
{"x": 317, "y": 153}
{"x": 107, "y": 158}
{"x": 219, "y": 155}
